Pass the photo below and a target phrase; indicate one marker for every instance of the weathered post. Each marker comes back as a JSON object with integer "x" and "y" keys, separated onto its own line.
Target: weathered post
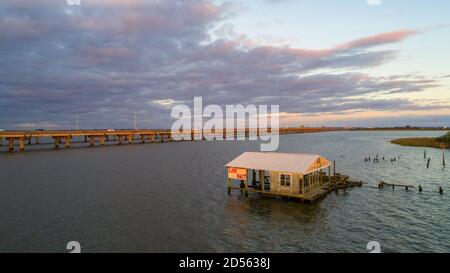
{"x": 11, "y": 144}
{"x": 22, "y": 143}
{"x": 56, "y": 139}
{"x": 443, "y": 155}
{"x": 67, "y": 143}
{"x": 262, "y": 178}
{"x": 246, "y": 184}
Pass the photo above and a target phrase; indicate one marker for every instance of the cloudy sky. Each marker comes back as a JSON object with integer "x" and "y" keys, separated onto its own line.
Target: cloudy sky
{"x": 324, "y": 62}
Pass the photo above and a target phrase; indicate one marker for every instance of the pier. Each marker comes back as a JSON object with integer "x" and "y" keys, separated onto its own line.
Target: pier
{"x": 64, "y": 138}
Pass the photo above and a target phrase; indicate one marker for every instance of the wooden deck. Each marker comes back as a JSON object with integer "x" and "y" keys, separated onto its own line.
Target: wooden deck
{"x": 338, "y": 181}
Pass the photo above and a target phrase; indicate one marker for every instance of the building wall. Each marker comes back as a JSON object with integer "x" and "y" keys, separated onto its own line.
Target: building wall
{"x": 275, "y": 186}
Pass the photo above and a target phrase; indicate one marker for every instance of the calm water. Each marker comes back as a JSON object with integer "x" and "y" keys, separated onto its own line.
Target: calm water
{"x": 173, "y": 198}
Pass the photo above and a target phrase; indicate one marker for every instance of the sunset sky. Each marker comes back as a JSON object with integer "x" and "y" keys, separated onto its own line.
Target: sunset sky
{"x": 324, "y": 62}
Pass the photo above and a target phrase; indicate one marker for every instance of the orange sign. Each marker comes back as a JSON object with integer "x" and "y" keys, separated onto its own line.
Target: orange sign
{"x": 236, "y": 173}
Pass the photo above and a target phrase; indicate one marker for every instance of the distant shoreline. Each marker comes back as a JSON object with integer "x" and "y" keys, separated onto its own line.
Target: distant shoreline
{"x": 425, "y": 142}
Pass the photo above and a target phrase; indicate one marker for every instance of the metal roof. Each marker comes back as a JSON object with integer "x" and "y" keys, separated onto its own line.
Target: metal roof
{"x": 280, "y": 162}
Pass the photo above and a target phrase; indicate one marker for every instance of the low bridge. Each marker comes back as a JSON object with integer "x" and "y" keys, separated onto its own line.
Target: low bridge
{"x": 63, "y": 138}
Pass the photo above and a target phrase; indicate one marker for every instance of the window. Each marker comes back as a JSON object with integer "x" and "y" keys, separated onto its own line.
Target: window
{"x": 285, "y": 180}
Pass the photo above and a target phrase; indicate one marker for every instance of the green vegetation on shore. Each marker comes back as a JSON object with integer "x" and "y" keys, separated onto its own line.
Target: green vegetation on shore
{"x": 424, "y": 141}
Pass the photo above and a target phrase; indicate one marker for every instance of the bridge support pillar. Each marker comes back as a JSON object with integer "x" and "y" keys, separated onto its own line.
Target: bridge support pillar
{"x": 22, "y": 143}
{"x": 102, "y": 140}
{"x": 67, "y": 142}
{"x": 11, "y": 144}
{"x": 57, "y": 141}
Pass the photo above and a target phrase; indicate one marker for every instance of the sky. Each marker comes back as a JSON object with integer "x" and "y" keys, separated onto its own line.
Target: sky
{"x": 324, "y": 62}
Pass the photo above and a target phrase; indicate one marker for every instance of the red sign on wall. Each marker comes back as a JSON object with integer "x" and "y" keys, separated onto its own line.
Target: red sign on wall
{"x": 237, "y": 173}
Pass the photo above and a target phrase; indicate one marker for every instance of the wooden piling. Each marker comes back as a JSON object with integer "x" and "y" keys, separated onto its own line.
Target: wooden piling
{"x": 262, "y": 178}
{"x": 22, "y": 143}
{"x": 246, "y": 185}
{"x": 11, "y": 144}
{"x": 67, "y": 142}
{"x": 56, "y": 140}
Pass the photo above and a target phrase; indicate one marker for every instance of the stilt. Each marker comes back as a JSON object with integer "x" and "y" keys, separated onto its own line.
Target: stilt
{"x": 130, "y": 139}
{"x": 92, "y": 141}
{"x": 102, "y": 140}
{"x": 11, "y": 144}
{"x": 143, "y": 139}
{"x": 56, "y": 143}
{"x": 1, "y": 141}
{"x": 37, "y": 140}
{"x": 246, "y": 185}
{"x": 85, "y": 139}
{"x": 262, "y": 178}
{"x": 22, "y": 144}
{"x": 120, "y": 139}
{"x": 67, "y": 142}
{"x": 29, "y": 140}
{"x": 229, "y": 186}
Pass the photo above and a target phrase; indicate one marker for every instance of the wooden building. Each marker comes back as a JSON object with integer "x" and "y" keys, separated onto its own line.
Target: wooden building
{"x": 301, "y": 176}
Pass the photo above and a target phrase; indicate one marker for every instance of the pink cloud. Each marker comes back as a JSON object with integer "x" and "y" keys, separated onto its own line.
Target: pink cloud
{"x": 379, "y": 39}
